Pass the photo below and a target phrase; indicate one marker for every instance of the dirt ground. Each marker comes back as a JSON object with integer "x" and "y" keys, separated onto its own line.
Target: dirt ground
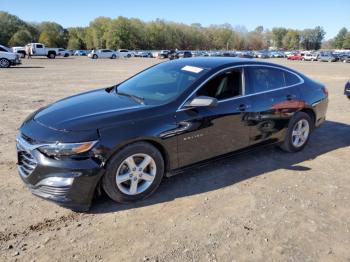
{"x": 262, "y": 206}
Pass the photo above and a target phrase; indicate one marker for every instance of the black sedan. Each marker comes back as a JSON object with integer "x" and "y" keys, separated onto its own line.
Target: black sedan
{"x": 125, "y": 138}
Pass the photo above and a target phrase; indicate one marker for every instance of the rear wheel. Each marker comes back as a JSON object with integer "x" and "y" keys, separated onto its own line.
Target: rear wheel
{"x": 134, "y": 173}
{"x": 298, "y": 133}
{"x": 4, "y": 63}
{"x": 113, "y": 57}
{"x": 52, "y": 55}
{"x": 94, "y": 56}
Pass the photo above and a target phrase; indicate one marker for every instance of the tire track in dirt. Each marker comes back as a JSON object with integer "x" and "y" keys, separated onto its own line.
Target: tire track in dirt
{"x": 49, "y": 224}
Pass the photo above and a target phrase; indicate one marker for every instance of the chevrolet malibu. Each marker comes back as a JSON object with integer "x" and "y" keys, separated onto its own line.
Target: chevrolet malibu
{"x": 126, "y": 138}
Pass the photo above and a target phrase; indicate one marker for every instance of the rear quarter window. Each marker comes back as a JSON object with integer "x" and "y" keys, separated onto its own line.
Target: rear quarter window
{"x": 291, "y": 79}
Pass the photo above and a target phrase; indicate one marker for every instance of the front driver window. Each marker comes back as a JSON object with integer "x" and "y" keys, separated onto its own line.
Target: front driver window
{"x": 223, "y": 86}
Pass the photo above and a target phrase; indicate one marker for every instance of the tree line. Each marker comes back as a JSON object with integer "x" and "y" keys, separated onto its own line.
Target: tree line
{"x": 132, "y": 33}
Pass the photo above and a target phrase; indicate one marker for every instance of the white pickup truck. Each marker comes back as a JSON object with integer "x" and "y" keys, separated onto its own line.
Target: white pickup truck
{"x": 8, "y": 58}
{"x": 38, "y": 49}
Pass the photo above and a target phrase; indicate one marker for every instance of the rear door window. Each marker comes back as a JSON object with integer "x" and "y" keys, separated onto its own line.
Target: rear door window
{"x": 262, "y": 79}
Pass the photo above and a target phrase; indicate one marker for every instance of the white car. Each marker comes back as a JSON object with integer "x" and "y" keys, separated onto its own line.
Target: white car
{"x": 310, "y": 57}
{"x": 19, "y": 50}
{"x": 8, "y": 58}
{"x": 102, "y": 53}
{"x": 124, "y": 53}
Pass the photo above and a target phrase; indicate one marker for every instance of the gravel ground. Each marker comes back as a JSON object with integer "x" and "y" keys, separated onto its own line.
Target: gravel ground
{"x": 262, "y": 206}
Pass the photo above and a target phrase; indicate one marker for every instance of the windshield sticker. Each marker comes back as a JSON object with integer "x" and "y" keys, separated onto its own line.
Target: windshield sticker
{"x": 192, "y": 69}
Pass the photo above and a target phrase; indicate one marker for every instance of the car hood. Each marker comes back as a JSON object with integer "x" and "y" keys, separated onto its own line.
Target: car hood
{"x": 91, "y": 110}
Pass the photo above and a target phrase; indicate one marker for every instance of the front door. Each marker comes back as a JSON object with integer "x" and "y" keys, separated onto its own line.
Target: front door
{"x": 206, "y": 132}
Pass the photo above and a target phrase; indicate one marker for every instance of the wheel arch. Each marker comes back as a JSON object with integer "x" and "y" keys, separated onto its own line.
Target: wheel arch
{"x": 311, "y": 113}
{"x": 153, "y": 142}
{"x": 161, "y": 148}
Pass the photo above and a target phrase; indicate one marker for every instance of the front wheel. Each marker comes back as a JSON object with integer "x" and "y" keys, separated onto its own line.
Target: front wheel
{"x": 94, "y": 56}
{"x": 113, "y": 57}
{"x": 4, "y": 63}
{"x": 134, "y": 173}
{"x": 298, "y": 133}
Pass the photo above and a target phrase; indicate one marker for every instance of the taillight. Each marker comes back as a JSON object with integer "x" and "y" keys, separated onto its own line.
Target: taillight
{"x": 325, "y": 90}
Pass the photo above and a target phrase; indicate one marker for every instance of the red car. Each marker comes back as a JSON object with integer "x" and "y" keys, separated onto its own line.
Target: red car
{"x": 295, "y": 56}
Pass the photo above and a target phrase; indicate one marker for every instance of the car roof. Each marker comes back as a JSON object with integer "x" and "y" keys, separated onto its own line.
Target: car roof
{"x": 219, "y": 62}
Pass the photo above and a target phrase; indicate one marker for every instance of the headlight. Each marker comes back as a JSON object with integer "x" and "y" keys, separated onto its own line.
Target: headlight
{"x": 66, "y": 149}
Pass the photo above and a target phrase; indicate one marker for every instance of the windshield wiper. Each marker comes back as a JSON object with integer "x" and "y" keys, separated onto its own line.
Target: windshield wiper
{"x": 138, "y": 99}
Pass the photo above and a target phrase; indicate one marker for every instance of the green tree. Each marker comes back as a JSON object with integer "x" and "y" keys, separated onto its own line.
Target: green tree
{"x": 77, "y": 38}
{"x": 340, "y": 37}
{"x": 278, "y": 34}
{"x": 311, "y": 39}
{"x": 53, "y": 34}
{"x": 346, "y": 43}
{"x": 21, "y": 38}
{"x": 9, "y": 25}
{"x": 97, "y": 33}
{"x": 291, "y": 41}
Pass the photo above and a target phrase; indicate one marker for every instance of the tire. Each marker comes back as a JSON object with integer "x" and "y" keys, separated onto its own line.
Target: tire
{"x": 51, "y": 55}
{"x": 113, "y": 57}
{"x": 4, "y": 63}
{"x": 94, "y": 57}
{"x": 349, "y": 97}
{"x": 128, "y": 56}
{"x": 118, "y": 166}
{"x": 290, "y": 142}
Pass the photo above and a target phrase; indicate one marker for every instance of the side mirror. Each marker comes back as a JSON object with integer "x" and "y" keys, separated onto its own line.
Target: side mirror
{"x": 202, "y": 101}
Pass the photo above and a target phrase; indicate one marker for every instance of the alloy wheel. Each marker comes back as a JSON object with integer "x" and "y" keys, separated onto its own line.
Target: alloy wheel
{"x": 300, "y": 133}
{"x": 4, "y": 63}
{"x": 136, "y": 174}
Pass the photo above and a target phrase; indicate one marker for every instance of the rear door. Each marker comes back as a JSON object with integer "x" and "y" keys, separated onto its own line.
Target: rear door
{"x": 206, "y": 132}
{"x": 275, "y": 98}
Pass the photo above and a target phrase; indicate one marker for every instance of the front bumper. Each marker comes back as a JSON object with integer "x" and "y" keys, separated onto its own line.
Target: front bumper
{"x": 34, "y": 167}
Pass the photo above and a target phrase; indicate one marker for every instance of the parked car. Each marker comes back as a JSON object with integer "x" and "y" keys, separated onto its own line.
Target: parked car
{"x": 19, "y": 50}
{"x": 184, "y": 54}
{"x": 345, "y": 59}
{"x": 327, "y": 57}
{"x": 102, "y": 53}
{"x": 261, "y": 54}
{"x": 310, "y": 57}
{"x": 163, "y": 54}
{"x": 295, "y": 56}
{"x": 8, "y": 58}
{"x": 124, "y": 53}
{"x": 63, "y": 52}
{"x": 80, "y": 53}
{"x": 347, "y": 89}
{"x": 143, "y": 54}
{"x": 126, "y": 137}
{"x": 38, "y": 49}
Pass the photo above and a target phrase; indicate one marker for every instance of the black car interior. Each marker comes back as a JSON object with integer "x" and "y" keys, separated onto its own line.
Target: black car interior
{"x": 224, "y": 86}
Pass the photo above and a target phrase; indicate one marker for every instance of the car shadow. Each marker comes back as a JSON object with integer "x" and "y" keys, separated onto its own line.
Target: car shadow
{"x": 226, "y": 172}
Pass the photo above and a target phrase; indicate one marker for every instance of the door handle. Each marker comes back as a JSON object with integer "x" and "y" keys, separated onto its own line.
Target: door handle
{"x": 243, "y": 107}
{"x": 290, "y": 97}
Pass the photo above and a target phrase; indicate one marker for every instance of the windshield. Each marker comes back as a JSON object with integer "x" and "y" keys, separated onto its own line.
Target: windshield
{"x": 161, "y": 83}
{"x": 5, "y": 49}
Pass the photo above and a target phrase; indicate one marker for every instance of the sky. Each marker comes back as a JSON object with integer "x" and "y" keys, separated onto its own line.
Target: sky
{"x": 332, "y": 15}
